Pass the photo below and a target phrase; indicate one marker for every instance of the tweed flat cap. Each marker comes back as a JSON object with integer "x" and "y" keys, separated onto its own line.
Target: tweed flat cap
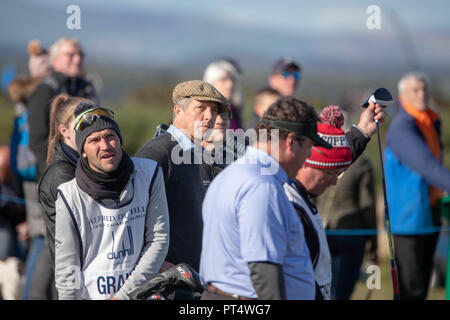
{"x": 201, "y": 91}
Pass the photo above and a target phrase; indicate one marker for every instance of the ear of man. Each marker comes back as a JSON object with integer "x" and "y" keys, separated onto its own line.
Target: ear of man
{"x": 177, "y": 109}
{"x": 289, "y": 141}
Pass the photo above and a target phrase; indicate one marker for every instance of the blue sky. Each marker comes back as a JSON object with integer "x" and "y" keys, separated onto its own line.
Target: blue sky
{"x": 328, "y": 37}
{"x": 312, "y": 15}
{"x": 165, "y": 32}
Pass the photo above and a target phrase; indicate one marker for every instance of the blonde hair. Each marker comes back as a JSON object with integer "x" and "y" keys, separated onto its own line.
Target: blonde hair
{"x": 220, "y": 69}
{"x": 61, "y": 113}
{"x": 217, "y": 70}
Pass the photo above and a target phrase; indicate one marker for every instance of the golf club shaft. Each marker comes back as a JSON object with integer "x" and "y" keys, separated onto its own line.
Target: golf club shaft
{"x": 388, "y": 223}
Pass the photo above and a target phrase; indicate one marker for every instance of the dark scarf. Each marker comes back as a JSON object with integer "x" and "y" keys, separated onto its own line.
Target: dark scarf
{"x": 100, "y": 185}
{"x": 308, "y": 197}
{"x": 70, "y": 153}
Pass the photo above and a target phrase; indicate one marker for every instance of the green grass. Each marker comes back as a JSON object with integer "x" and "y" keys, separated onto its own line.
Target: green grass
{"x": 6, "y": 119}
{"x": 138, "y": 124}
{"x": 138, "y": 121}
{"x": 361, "y": 291}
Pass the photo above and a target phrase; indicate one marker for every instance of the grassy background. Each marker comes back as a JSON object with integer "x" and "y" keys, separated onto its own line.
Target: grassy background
{"x": 141, "y": 109}
{"x": 361, "y": 291}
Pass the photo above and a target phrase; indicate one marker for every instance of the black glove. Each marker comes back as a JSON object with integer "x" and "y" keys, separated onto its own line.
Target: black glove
{"x": 163, "y": 286}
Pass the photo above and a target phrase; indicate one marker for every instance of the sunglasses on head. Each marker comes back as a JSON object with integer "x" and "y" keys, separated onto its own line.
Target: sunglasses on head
{"x": 294, "y": 74}
{"x": 87, "y": 117}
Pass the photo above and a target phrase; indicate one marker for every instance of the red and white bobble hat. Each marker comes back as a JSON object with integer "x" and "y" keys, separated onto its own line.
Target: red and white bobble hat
{"x": 329, "y": 129}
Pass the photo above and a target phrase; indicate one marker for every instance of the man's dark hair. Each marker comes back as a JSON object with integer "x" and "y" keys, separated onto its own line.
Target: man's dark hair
{"x": 288, "y": 109}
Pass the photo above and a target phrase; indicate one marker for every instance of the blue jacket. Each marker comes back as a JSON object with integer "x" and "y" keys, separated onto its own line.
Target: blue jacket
{"x": 410, "y": 168}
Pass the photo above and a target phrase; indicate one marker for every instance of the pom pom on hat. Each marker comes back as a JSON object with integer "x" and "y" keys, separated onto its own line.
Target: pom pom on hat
{"x": 332, "y": 115}
{"x": 329, "y": 129}
{"x": 82, "y": 106}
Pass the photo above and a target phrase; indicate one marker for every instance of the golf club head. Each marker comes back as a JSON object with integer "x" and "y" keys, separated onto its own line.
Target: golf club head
{"x": 381, "y": 96}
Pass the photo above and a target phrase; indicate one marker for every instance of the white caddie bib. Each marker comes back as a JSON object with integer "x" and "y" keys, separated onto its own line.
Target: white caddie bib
{"x": 112, "y": 238}
{"x": 322, "y": 271}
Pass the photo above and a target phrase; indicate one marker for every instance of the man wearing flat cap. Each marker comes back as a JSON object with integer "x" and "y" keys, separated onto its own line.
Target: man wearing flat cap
{"x": 196, "y": 106}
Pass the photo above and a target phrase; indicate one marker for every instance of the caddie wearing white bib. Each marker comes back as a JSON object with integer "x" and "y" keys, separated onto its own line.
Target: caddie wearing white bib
{"x": 318, "y": 172}
{"x": 112, "y": 223}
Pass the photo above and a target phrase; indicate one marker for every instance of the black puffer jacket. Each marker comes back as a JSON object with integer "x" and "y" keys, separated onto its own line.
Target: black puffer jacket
{"x": 60, "y": 169}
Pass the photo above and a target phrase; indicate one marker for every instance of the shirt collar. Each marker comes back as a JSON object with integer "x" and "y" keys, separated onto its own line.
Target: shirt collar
{"x": 304, "y": 194}
{"x": 264, "y": 160}
{"x": 185, "y": 143}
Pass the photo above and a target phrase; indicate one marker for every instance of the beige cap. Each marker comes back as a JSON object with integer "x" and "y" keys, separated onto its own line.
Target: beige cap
{"x": 201, "y": 91}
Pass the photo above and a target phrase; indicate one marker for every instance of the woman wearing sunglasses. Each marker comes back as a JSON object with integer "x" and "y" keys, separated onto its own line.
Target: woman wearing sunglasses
{"x": 62, "y": 157}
